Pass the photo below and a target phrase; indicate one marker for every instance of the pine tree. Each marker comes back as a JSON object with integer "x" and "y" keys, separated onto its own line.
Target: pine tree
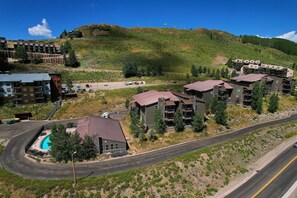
{"x": 197, "y": 123}
{"x": 88, "y": 148}
{"x": 142, "y": 138}
{"x": 222, "y": 74}
{"x": 257, "y": 97}
{"x": 76, "y": 146}
{"x": 208, "y": 72}
{"x": 66, "y": 47}
{"x": 273, "y": 103}
{"x": 194, "y": 71}
{"x": 213, "y": 104}
{"x": 178, "y": 121}
{"x": 204, "y": 70}
{"x": 233, "y": 74}
{"x": 200, "y": 69}
{"x": 217, "y": 75}
{"x": 130, "y": 70}
{"x": 159, "y": 124}
{"x": 152, "y": 135}
{"x": 72, "y": 61}
{"x": 221, "y": 114}
{"x": 229, "y": 62}
{"x": 60, "y": 147}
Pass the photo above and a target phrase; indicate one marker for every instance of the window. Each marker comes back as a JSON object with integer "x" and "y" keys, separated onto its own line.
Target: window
{"x": 25, "y": 94}
{"x": 106, "y": 147}
{"x": 111, "y": 146}
{"x": 31, "y": 89}
{"x": 31, "y": 95}
{"x": 116, "y": 146}
{"x": 24, "y": 89}
{"x": 8, "y": 90}
{"x": 7, "y": 84}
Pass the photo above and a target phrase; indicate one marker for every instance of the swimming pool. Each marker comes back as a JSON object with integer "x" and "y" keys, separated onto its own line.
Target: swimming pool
{"x": 44, "y": 144}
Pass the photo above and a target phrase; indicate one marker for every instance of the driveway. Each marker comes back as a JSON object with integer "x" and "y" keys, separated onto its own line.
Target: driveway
{"x": 13, "y": 158}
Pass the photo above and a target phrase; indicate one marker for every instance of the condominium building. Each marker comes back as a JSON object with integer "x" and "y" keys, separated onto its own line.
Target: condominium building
{"x": 3, "y": 43}
{"x": 26, "y": 88}
{"x": 37, "y": 47}
{"x": 167, "y": 102}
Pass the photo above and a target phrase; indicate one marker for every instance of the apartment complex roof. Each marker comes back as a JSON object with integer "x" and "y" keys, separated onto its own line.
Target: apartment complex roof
{"x": 249, "y": 78}
{"x": 107, "y": 129}
{"x": 24, "y": 77}
{"x": 151, "y": 97}
{"x": 207, "y": 85}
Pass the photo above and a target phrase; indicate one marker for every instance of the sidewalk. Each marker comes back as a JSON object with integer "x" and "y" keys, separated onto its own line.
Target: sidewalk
{"x": 255, "y": 167}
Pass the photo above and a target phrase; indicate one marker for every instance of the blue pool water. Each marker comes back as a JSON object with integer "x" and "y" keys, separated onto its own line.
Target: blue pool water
{"x": 44, "y": 144}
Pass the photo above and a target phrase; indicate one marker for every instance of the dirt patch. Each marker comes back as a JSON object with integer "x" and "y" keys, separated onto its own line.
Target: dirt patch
{"x": 220, "y": 60}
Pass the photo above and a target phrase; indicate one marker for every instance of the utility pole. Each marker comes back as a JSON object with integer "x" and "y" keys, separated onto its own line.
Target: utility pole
{"x": 73, "y": 169}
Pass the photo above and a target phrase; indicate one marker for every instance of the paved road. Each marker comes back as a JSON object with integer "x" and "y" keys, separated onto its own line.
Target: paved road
{"x": 278, "y": 186}
{"x": 13, "y": 158}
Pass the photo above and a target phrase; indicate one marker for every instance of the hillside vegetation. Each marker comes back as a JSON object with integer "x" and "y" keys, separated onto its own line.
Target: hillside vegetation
{"x": 111, "y": 47}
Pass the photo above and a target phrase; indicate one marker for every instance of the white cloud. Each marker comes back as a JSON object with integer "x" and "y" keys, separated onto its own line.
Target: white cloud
{"x": 292, "y": 36}
{"x": 41, "y": 30}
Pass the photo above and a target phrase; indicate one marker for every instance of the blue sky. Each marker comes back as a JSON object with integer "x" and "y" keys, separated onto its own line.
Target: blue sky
{"x": 48, "y": 18}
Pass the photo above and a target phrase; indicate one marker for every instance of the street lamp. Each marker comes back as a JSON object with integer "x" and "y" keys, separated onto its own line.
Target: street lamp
{"x": 73, "y": 168}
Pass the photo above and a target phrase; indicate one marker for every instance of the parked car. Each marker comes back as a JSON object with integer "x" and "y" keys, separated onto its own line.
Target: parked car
{"x": 87, "y": 86}
{"x": 128, "y": 83}
{"x": 10, "y": 121}
{"x": 1, "y": 122}
{"x": 295, "y": 145}
{"x": 105, "y": 84}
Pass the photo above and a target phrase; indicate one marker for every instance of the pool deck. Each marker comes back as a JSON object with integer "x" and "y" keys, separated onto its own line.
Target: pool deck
{"x": 37, "y": 144}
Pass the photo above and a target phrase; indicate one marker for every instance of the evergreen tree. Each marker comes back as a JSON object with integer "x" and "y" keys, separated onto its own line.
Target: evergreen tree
{"x": 66, "y": 47}
{"x": 20, "y": 53}
{"x": 139, "y": 90}
{"x": 134, "y": 124}
{"x": 159, "y": 124}
{"x": 226, "y": 72}
{"x": 222, "y": 74}
{"x": 208, "y": 72}
{"x": 63, "y": 34}
{"x": 194, "y": 71}
{"x": 273, "y": 103}
{"x": 257, "y": 97}
{"x": 76, "y": 146}
{"x": 152, "y": 135}
{"x": 178, "y": 121}
{"x": 200, "y": 69}
{"x": 217, "y": 75}
{"x": 221, "y": 114}
{"x": 233, "y": 74}
{"x": 69, "y": 85}
{"x": 197, "y": 123}
{"x": 204, "y": 70}
{"x": 60, "y": 147}
{"x": 127, "y": 103}
{"x": 72, "y": 61}
{"x": 229, "y": 62}
{"x": 88, "y": 147}
{"x": 213, "y": 104}
{"x": 142, "y": 138}
{"x": 130, "y": 70}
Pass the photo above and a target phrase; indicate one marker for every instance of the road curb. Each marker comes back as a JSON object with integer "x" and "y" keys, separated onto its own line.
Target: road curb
{"x": 292, "y": 192}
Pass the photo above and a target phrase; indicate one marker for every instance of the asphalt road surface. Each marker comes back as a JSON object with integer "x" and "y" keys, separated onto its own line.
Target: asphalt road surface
{"x": 13, "y": 158}
{"x": 274, "y": 180}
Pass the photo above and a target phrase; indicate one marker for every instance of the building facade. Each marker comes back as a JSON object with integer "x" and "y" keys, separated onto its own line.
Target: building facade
{"x": 107, "y": 134}
{"x": 3, "y": 43}
{"x": 56, "y": 86}
{"x": 206, "y": 90}
{"x": 37, "y": 47}
{"x": 26, "y": 88}
{"x": 168, "y": 103}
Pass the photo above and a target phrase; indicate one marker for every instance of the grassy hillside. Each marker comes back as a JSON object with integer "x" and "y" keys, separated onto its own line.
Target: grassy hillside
{"x": 111, "y": 47}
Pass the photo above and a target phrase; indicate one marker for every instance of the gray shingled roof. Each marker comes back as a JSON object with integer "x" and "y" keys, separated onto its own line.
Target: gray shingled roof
{"x": 24, "y": 77}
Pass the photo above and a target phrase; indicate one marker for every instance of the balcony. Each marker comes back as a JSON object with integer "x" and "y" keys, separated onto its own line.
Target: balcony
{"x": 189, "y": 109}
{"x": 169, "y": 119}
{"x": 39, "y": 96}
